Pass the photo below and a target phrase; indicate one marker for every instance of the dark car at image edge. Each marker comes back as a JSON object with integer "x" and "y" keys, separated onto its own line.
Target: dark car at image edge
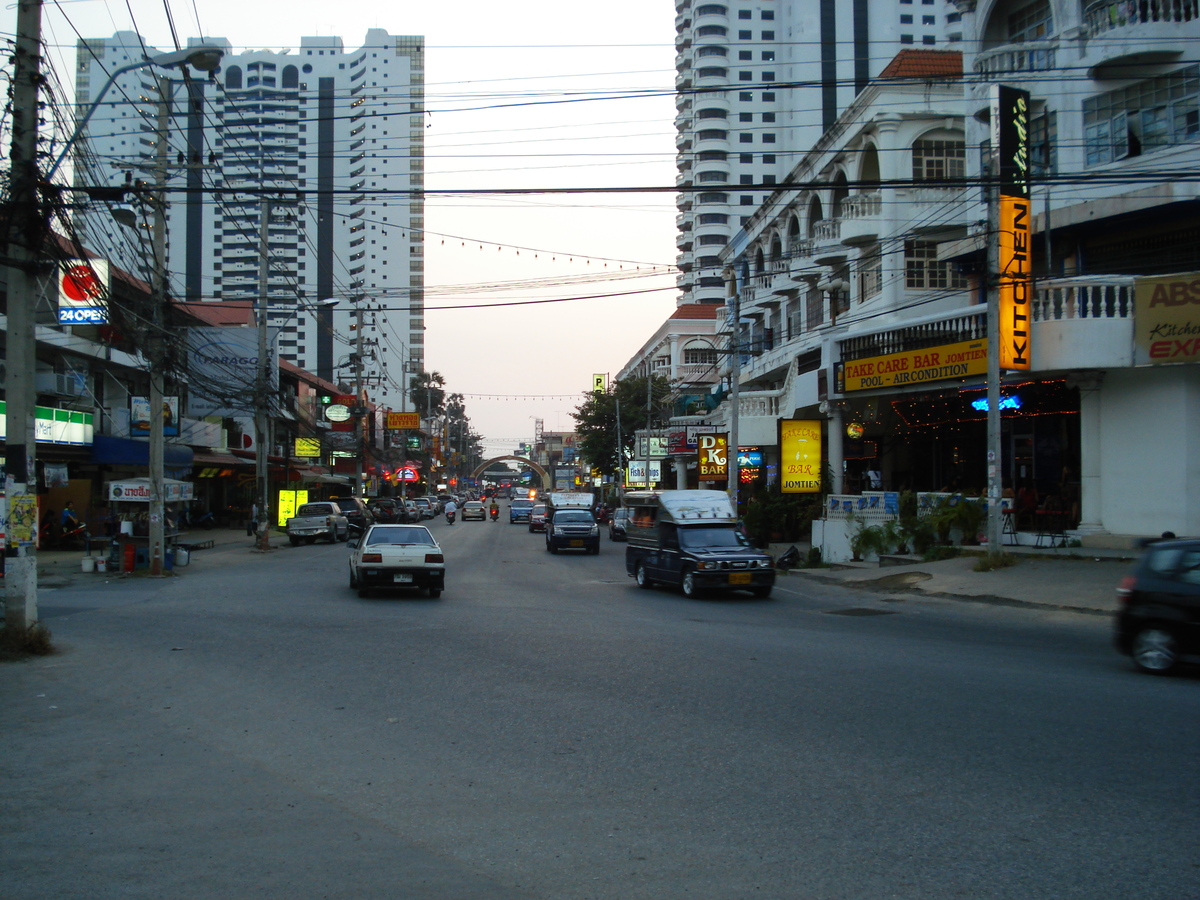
{"x": 1158, "y": 617}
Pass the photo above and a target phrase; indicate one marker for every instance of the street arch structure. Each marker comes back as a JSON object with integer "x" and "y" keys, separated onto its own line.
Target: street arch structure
{"x": 482, "y": 467}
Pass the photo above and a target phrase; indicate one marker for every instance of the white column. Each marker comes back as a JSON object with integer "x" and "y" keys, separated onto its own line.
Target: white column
{"x": 1090, "y": 457}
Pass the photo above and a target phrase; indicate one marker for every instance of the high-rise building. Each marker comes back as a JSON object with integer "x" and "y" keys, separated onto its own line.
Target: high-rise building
{"x": 333, "y": 139}
{"x": 759, "y": 82}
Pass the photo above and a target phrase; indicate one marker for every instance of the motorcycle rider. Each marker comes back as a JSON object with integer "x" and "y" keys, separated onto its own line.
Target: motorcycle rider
{"x": 451, "y": 509}
{"x": 494, "y": 510}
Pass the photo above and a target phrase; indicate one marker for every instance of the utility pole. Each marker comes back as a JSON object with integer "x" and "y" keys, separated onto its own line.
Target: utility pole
{"x": 359, "y": 436}
{"x": 263, "y": 386}
{"x": 735, "y": 379}
{"x": 156, "y": 341}
{"x": 25, "y": 233}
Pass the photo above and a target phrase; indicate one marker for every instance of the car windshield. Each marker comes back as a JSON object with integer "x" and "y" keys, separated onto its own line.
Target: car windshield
{"x": 706, "y": 537}
{"x": 399, "y": 534}
{"x": 539, "y": 510}
{"x": 314, "y": 509}
{"x": 522, "y": 504}
{"x": 573, "y": 516}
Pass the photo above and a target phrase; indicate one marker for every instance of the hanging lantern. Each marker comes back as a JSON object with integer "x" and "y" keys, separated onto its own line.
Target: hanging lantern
{"x": 854, "y": 430}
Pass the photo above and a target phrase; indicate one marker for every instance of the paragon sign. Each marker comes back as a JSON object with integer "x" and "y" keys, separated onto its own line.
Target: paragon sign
{"x": 1010, "y": 137}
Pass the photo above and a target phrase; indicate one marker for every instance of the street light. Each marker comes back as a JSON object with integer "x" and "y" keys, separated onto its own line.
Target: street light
{"x": 203, "y": 58}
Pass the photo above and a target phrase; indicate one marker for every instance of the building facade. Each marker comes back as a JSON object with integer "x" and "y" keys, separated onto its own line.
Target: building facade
{"x": 758, "y": 82}
{"x": 331, "y": 139}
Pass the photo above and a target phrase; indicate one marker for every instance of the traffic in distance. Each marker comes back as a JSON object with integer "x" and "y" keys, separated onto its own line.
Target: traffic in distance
{"x": 692, "y": 541}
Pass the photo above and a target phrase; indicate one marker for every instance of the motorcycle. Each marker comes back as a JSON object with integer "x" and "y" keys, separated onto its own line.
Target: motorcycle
{"x": 494, "y": 512}
{"x": 450, "y": 517}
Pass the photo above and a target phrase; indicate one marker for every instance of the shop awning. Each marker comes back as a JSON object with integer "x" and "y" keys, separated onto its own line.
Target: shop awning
{"x": 114, "y": 451}
{"x": 218, "y": 458}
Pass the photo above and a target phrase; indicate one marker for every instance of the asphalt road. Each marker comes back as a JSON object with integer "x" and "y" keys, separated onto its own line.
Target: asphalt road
{"x": 548, "y": 730}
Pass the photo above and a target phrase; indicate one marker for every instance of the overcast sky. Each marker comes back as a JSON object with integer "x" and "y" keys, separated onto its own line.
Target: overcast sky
{"x": 532, "y": 94}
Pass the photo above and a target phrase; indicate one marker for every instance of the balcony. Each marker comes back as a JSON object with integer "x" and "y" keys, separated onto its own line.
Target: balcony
{"x": 1146, "y": 32}
{"x": 800, "y": 261}
{"x": 1032, "y": 56}
{"x": 1083, "y": 323}
{"x": 861, "y": 218}
{"x": 827, "y": 242}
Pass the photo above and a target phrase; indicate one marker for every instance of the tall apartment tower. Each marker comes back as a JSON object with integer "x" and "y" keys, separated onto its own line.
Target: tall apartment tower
{"x": 333, "y": 139}
{"x": 758, "y": 82}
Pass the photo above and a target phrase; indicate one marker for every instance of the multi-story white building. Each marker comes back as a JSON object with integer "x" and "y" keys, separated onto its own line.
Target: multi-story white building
{"x": 871, "y": 301}
{"x": 758, "y": 82}
{"x": 332, "y": 138}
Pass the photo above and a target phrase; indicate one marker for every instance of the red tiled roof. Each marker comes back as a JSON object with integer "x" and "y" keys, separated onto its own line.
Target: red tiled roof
{"x": 924, "y": 64}
{"x": 218, "y": 312}
{"x": 704, "y": 311}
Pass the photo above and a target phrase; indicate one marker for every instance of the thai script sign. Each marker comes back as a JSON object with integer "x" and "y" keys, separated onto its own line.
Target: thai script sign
{"x": 401, "y": 420}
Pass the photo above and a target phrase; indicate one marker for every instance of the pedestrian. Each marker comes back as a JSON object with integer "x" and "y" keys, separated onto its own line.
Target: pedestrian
{"x": 252, "y": 525}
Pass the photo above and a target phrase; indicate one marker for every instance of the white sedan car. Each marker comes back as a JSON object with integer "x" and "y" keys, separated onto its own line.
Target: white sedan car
{"x": 397, "y": 556}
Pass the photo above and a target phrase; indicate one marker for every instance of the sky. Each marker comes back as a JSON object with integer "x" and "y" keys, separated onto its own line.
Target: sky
{"x": 531, "y": 95}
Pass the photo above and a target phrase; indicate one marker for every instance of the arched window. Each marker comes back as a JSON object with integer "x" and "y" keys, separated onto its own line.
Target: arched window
{"x": 291, "y": 77}
{"x": 233, "y": 77}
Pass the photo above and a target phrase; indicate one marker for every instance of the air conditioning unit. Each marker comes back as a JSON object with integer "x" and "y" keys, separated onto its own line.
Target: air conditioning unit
{"x": 58, "y": 384}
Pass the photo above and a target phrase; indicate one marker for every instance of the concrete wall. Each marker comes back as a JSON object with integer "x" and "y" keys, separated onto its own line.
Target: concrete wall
{"x": 1150, "y": 450}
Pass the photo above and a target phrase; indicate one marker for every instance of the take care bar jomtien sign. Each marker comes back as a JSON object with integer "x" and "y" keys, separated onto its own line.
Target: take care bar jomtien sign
{"x": 56, "y": 426}
{"x": 913, "y": 367}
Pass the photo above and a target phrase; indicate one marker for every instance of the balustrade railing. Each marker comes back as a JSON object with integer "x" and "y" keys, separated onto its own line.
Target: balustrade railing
{"x": 1107, "y": 14}
{"x": 1110, "y": 298}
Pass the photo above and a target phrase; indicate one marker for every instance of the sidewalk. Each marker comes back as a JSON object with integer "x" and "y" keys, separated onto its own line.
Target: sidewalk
{"x": 1079, "y": 579}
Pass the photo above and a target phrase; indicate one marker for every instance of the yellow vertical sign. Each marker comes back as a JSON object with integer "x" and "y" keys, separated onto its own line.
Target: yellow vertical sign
{"x": 800, "y": 456}
{"x": 599, "y": 383}
{"x": 1016, "y": 283}
{"x": 289, "y": 502}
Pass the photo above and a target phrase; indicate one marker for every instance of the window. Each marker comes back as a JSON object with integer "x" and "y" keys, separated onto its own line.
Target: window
{"x": 746, "y": 54}
{"x": 928, "y": 39}
{"x": 712, "y": 219}
{"x": 743, "y": 35}
{"x": 712, "y": 134}
{"x": 712, "y": 51}
{"x": 769, "y": 159}
{"x": 712, "y": 31}
{"x": 746, "y": 158}
{"x": 938, "y": 160}
{"x": 768, "y": 97}
{"x": 768, "y": 15}
{"x": 746, "y": 138}
{"x": 712, "y": 197}
{"x": 711, "y": 113}
{"x": 747, "y": 200}
{"x": 698, "y": 356}
{"x": 768, "y": 56}
{"x": 1030, "y": 23}
{"x": 711, "y": 72}
{"x": 745, "y": 179}
{"x": 906, "y": 38}
{"x": 870, "y": 274}
{"x": 711, "y": 9}
{"x": 1043, "y": 141}
{"x": 1144, "y": 117}
{"x": 906, "y": 20}
{"x": 768, "y": 179}
{"x": 744, "y": 14}
{"x": 768, "y": 117}
{"x": 768, "y": 138}
{"x": 745, "y": 97}
{"x": 923, "y": 271}
{"x": 768, "y": 76}
{"x": 745, "y": 76}
{"x": 928, "y": 20}
{"x": 745, "y": 117}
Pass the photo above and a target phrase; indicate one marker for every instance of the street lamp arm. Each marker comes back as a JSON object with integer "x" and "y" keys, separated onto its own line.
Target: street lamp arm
{"x": 204, "y": 58}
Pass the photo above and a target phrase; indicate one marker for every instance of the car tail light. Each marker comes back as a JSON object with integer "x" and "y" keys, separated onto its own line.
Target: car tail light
{"x": 329, "y": 520}
{"x": 372, "y": 557}
{"x": 434, "y": 558}
{"x": 1125, "y": 589}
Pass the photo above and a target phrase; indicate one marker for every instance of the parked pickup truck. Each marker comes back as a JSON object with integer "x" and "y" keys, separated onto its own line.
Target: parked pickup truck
{"x": 322, "y": 518}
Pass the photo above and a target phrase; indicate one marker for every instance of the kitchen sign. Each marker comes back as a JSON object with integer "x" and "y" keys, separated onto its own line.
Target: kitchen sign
{"x": 1010, "y": 137}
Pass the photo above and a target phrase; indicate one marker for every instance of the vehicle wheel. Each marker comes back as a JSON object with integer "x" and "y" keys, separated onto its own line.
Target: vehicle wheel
{"x": 353, "y": 581}
{"x": 595, "y": 551}
{"x": 434, "y": 593}
{"x": 363, "y": 592}
{"x": 295, "y": 541}
{"x": 552, "y": 547}
{"x": 310, "y": 540}
{"x": 1154, "y": 650}
{"x": 642, "y": 579}
{"x": 689, "y": 585}
{"x": 333, "y": 538}
{"x": 761, "y": 592}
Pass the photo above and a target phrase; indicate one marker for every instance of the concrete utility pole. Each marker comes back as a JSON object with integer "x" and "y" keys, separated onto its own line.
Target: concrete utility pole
{"x": 156, "y": 342}
{"x": 359, "y": 436}
{"x": 262, "y": 388}
{"x": 25, "y": 234}
{"x": 735, "y": 380}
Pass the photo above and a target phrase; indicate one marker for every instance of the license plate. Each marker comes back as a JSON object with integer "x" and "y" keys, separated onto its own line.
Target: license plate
{"x": 576, "y": 543}
{"x": 740, "y": 578}
{"x": 402, "y": 579}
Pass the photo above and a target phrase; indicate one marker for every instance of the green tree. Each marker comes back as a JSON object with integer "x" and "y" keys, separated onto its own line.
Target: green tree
{"x": 596, "y": 419}
{"x": 428, "y": 393}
